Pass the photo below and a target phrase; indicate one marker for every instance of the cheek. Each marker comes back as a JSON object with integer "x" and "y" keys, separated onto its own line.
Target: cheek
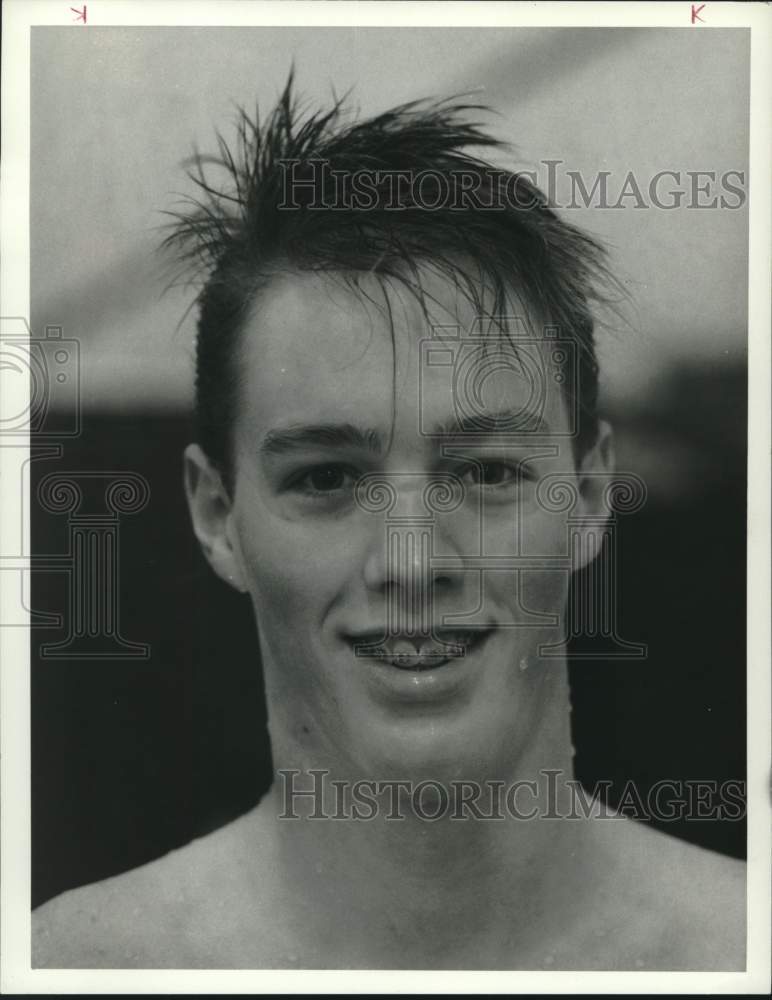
{"x": 292, "y": 578}
{"x": 541, "y": 588}
{"x": 294, "y": 570}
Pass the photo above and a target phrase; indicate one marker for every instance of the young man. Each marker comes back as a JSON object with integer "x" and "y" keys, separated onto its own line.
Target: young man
{"x": 396, "y": 379}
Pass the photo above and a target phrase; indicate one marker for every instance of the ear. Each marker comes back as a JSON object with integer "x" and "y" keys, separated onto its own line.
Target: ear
{"x": 212, "y": 516}
{"x": 593, "y": 477}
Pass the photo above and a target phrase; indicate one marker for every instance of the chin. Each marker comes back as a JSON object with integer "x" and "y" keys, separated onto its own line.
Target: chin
{"x": 473, "y": 744}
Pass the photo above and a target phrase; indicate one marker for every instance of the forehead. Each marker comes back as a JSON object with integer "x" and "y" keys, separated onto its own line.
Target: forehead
{"x": 316, "y": 350}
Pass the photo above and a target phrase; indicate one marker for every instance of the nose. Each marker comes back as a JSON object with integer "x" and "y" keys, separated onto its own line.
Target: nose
{"x": 399, "y": 562}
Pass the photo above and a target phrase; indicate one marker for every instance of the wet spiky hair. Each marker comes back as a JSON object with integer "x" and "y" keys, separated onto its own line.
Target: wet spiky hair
{"x": 235, "y": 236}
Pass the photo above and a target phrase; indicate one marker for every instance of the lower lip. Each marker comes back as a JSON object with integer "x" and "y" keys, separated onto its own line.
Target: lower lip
{"x": 435, "y": 684}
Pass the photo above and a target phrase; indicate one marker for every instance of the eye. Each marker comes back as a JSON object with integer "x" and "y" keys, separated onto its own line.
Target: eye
{"x": 490, "y": 474}
{"x": 323, "y": 480}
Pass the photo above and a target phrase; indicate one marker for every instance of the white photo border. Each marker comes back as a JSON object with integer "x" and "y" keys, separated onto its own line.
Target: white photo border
{"x": 17, "y": 976}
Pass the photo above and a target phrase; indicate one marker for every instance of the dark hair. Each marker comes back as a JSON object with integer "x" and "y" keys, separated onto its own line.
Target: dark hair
{"x": 502, "y": 234}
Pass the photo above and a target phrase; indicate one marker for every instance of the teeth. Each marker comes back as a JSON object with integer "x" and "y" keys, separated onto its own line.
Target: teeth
{"x": 415, "y": 662}
{"x": 404, "y": 654}
{"x": 425, "y": 653}
{"x": 454, "y": 646}
{"x": 431, "y": 659}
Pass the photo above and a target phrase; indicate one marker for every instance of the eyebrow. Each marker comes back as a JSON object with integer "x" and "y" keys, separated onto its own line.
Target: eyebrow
{"x": 289, "y": 439}
{"x": 284, "y": 441}
{"x": 510, "y": 421}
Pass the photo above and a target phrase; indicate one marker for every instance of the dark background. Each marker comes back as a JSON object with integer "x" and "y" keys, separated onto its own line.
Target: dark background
{"x": 133, "y": 758}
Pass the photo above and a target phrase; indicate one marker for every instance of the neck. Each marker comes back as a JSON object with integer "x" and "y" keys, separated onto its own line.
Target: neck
{"x": 397, "y": 881}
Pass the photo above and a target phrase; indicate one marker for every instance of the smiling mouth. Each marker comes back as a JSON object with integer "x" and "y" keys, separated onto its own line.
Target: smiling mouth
{"x": 419, "y": 653}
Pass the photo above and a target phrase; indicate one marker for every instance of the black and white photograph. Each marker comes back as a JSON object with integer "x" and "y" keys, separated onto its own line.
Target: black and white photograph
{"x": 385, "y": 445}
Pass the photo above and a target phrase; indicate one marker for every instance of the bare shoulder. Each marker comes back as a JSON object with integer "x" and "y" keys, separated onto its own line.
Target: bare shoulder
{"x": 681, "y": 906}
{"x": 180, "y": 911}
